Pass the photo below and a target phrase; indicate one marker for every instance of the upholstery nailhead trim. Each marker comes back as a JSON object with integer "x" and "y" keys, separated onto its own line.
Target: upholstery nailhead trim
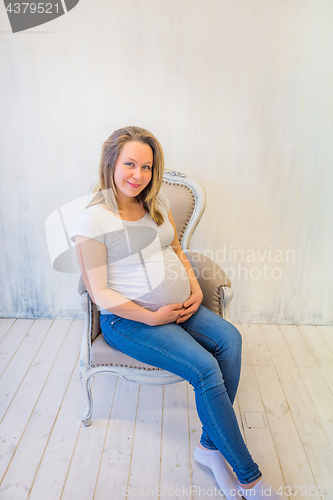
{"x": 127, "y": 366}
{"x": 193, "y": 206}
{"x": 219, "y": 297}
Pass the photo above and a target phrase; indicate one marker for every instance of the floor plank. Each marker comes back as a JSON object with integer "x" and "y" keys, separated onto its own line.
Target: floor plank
{"x": 21, "y": 362}
{"x": 90, "y": 443}
{"x": 25, "y": 463}
{"x": 175, "y": 458}
{"x": 277, "y": 346}
{"x": 258, "y": 438}
{"x": 22, "y": 406}
{"x": 297, "y": 346}
{"x": 142, "y": 438}
{"x": 316, "y": 445}
{"x": 317, "y": 345}
{"x": 321, "y": 396}
{"x": 11, "y": 343}
{"x": 327, "y": 333}
{"x": 5, "y": 325}
{"x": 257, "y": 346}
{"x": 147, "y": 443}
{"x": 327, "y": 372}
{"x": 53, "y": 469}
{"x": 113, "y": 477}
{"x": 293, "y": 460}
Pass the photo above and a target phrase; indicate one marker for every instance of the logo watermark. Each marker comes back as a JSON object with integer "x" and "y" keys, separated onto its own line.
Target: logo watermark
{"x": 136, "y": 253}
{"x": 248, "y": 264}
{"x": 187, "y": 492}
{"x": 134, "y": 249}
{"x": 159, "y": 491}
{"x": 24, "y": 15}
{"x": 269, "y": 254}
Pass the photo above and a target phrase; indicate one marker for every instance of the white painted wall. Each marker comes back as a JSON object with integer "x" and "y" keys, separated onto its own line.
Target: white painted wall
{"x": 238, "y": 92}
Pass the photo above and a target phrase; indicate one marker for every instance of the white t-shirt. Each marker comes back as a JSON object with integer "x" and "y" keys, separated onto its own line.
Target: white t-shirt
{"x": 141, "y": 264}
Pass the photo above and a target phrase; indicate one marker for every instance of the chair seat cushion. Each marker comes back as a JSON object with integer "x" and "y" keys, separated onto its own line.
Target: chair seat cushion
{"x": 102, "y": 354}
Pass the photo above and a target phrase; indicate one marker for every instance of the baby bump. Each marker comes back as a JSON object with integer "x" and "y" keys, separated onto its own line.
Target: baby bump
{"x": 173, "y": 287}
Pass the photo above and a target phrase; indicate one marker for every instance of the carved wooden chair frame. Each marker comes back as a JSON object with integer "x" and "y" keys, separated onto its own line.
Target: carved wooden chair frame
{"x": 216, "y": 289}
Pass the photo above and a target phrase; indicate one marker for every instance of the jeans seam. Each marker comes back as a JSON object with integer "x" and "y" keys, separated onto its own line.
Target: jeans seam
{"x": 221, "y": 437}
{"x": 203, "y": 336}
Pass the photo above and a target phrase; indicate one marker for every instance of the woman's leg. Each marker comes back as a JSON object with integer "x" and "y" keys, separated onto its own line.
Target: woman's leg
{"x": 172, "y": 348}
{"x": 224, "y": 342}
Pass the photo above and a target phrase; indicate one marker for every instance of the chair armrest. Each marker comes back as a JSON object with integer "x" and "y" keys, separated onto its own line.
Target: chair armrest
{"x": 90, "y": 311}
{"x": 86, "y": 337}
{"x": 211, "y": 278}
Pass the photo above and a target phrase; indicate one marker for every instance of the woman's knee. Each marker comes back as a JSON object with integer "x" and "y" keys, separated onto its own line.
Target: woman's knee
{"x": 236, "y": 336}
{"x": 206, "y": 370}
{"x": 231, "y": 339}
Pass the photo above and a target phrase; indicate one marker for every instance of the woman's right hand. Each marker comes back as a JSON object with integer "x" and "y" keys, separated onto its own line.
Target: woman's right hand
{"x": 167, "y": 314}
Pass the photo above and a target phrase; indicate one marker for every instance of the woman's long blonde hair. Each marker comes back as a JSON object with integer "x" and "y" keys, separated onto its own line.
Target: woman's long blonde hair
{"x": 110, "y": 152}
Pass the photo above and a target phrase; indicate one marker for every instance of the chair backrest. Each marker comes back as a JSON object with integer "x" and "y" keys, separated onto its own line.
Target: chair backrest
{"x": 187, "y": 201}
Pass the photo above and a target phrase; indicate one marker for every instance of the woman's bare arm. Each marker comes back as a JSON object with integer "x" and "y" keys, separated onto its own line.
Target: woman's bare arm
{"x": 195, "y": 299}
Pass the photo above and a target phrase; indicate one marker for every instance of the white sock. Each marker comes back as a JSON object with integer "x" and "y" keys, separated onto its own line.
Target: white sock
{"x": 222, "y": 471}
{"x": 261, "y": 490}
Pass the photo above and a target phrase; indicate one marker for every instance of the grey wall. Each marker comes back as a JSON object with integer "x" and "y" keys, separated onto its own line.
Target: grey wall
{"x": 239, "y": 93}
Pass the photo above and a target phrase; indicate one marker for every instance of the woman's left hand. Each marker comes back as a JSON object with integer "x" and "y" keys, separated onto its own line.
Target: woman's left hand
{"x": 191, "y": 306}
{"x": 193, "y": 302}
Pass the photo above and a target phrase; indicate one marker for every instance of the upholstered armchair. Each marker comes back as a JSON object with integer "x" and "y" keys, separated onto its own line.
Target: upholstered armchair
{"x": 187, "y": 200}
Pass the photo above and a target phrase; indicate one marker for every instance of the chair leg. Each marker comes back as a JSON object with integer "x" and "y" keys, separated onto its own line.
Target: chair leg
{"x": 86, "y": 417}
{"x": 226, "y": 296}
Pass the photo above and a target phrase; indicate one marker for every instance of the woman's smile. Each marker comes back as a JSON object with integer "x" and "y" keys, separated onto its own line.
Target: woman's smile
{"x": 134, "y": 186}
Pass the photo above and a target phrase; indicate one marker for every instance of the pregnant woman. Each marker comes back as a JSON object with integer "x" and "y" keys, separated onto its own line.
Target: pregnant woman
{"x": 150, "y": 302}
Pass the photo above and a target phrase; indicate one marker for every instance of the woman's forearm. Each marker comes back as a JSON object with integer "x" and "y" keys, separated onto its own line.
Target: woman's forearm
{"x": 92, "y": 257}
{"x": 121, "y": 306}
{"x": 175, "y": 245}
{"x": 194, "y": 284}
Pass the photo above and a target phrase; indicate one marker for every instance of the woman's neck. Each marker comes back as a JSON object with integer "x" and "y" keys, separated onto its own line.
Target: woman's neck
{"x": 128, "y": 204}
{"x": 132, "y": 210}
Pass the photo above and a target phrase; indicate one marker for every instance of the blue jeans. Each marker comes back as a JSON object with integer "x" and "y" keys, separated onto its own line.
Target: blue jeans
{"x": 205, "y": 350}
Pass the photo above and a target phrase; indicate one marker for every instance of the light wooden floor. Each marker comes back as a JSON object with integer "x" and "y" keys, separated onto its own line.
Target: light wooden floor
{"x": 142, "y": 438}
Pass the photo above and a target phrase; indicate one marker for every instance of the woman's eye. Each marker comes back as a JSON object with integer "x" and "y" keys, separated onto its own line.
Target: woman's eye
{"x": 129, "y": 164}
{"x": 147, "y": 167}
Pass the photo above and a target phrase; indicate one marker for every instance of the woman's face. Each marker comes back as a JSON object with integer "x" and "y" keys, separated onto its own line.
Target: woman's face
{"x": 133, "y": 170}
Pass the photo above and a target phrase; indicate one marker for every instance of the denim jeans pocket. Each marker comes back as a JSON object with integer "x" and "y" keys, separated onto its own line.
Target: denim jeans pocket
{"x": 107, "y": 322}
